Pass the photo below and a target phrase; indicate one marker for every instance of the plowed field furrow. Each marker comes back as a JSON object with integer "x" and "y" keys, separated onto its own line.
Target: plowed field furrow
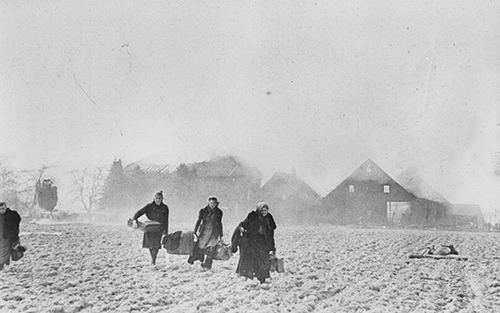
{"x": 86, "y": 268}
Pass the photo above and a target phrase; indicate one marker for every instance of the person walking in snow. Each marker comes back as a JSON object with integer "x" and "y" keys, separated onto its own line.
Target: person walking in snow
{"x": 156, "y": 211}
{"x": 9, "y": 233}
{"x": 209, "y": 225}
{"x": 255, "y": 238}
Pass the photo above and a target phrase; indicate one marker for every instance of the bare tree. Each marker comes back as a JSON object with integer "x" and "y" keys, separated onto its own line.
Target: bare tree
{"x": 88, "y": 184}
{"x": 8, "y": 183}
{"x": 7, "y": 175}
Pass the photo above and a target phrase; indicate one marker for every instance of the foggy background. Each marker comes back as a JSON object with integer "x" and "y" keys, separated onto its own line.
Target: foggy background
{"x": 318, "y": 87}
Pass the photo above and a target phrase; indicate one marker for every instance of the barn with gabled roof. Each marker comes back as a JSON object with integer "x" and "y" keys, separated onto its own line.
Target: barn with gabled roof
{"x": 369, "y": 195}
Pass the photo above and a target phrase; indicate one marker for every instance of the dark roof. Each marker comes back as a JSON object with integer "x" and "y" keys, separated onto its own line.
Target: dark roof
{"x": 148, "y": 167}
{"x": 284, "y": 186}
{"x": 416, "y": 185}
{"x": 369, "y": 170}
{"x": 226, "y": 166}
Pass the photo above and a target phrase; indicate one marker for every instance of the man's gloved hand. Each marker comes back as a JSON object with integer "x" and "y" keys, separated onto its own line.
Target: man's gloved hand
{"x": 134, "y": 224}
{"x": 195, "y": 238}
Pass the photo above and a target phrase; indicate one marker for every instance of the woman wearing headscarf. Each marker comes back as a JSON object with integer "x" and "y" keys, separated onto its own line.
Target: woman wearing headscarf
{"x": 9, "y": 233}
{"x": 256, "y": 243}
{"x": 155, "y": 211}
{"x": 209, "y": 224}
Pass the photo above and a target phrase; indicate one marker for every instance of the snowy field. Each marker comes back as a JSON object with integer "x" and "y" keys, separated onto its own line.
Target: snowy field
{"x": 87, "y": 268}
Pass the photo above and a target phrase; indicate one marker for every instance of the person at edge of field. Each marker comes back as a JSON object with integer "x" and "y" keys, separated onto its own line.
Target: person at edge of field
{"x": 9, "y": 233}
{"x": 255, "y": 238}
{"x": 156, "y": 211}
{"x": 209, "y": 224}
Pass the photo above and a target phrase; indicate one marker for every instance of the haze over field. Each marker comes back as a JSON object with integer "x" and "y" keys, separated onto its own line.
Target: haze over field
{"x": 319, "y": 87}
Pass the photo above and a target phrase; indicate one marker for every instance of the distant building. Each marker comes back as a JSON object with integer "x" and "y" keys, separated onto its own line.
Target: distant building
{"x": 434, "y": 208}
{"x": 291, "y": 200}
{"x": 370, "y": 195}
{"x": 467, "y": 216}
{"x": 187, "y": 186}
{"x": 148, "y": 168}
{"x": 229, "y": 178}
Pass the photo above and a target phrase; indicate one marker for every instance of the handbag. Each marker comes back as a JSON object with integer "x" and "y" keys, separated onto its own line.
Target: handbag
{"x": 17, "y": 253}
{"x": 276, "y": 264}
{"x": 222, "y": 252}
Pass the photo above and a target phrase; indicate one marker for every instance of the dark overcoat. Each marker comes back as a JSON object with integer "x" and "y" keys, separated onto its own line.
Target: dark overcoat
{"x": 157, "y": 213}
{"x": 255, "y": 244}
{"x": 11, "y": 226}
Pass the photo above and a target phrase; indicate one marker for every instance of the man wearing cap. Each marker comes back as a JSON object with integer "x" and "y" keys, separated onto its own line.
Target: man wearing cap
{"x": 209, "y": 224}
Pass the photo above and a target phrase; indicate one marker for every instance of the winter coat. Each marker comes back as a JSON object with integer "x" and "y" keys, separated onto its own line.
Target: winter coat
{"x": 256, "y": 224}
{"x": 203, "y": 223}
{"x": 157, "y": 213}
{"x": 11, "y": 226}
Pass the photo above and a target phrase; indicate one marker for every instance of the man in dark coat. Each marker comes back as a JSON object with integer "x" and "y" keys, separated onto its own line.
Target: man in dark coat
{"x": 9, "y": 233}
{"x": 209, "y": 224}
{"x": 256, "y": 243}
{"x": 155, "y": 211}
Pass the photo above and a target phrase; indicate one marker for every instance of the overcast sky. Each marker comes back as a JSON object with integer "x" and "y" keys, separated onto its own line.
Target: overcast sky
{"x": 319, "y": 86}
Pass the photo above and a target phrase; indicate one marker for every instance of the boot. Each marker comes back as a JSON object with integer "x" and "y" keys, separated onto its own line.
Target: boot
{"x": 208, "y": 263}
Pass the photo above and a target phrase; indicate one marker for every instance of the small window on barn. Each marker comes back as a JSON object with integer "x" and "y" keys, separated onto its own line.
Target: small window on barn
{"x": 351, "y": 188}
{"x": 387, "y": 189}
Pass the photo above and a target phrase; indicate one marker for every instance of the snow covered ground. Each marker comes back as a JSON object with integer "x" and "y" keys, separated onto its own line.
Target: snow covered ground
{"x": 99, "y": 268}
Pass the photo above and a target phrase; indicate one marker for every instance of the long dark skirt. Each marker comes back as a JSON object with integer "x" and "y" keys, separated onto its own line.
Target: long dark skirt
{"x": 4, "y": 252}
{"x": 152, "y": 240}
{"x": 254, "y": 257}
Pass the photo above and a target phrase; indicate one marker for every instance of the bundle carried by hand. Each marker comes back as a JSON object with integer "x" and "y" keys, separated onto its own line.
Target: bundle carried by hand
{"x": 146, "y": 226}
{"x": 276, "y": 264}
{"x": 179, "y": 242}
{"x": 222, "y": 252}
{"x": 17, "y": 252}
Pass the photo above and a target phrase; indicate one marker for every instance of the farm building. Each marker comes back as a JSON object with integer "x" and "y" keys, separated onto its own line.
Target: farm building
{"x": 291, "y": 200}
{"x": 187, "y": 186}
{"x": 431, "y": 208}
{"x": 466, "y": 216}
{"x": 370, "y": 195}
{"x": 229, "y": 178}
